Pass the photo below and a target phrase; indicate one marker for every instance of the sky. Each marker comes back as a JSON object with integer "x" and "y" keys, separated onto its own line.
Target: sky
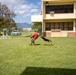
{"x": 23, "y": 9}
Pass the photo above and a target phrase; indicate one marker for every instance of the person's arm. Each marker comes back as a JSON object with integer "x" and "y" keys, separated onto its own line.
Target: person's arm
{"x": 32, "y": 35}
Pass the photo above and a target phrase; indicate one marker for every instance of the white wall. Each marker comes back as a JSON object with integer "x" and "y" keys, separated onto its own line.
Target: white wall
{"x": 36, "y": 18}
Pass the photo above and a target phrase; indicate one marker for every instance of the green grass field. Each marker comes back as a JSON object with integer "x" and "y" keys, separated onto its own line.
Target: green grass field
{"x": 17, "y": 57}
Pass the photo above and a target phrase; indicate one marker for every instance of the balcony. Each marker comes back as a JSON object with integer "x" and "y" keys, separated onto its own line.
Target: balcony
{"x": 69, "y": 16}
{"x": 36, "y": 18}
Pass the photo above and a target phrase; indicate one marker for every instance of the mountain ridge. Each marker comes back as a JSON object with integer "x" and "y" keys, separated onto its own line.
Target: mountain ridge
{"x": 23, "y": 25}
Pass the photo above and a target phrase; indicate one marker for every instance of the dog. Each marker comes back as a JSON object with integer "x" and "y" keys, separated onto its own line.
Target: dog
{"x": 45, "y": 39}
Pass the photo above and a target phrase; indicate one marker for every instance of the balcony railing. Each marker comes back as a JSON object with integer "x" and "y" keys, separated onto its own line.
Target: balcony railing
{"x": 36, "y": 18}
{"x": 60, "y": 16}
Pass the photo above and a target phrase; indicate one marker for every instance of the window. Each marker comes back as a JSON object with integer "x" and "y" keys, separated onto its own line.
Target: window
{"x": 60, "y": 8}
{"x": 65, "y": 26}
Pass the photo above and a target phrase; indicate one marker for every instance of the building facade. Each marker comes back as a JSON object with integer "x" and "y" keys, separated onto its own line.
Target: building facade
{"x": 58, "y": 18}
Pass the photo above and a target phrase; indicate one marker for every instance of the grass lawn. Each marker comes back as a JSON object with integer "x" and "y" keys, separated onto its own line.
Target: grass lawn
{"x": 17, "y": 57}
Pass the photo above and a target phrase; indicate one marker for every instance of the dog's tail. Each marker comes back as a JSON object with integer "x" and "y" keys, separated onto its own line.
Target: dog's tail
{"x": 50, "y": 41}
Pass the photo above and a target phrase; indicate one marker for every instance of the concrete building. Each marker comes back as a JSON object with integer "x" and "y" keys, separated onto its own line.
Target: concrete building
{"x": 58, "y": 18}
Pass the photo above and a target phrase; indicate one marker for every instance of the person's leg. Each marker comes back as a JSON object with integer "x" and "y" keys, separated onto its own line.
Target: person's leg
{"x": 33, "y": 41}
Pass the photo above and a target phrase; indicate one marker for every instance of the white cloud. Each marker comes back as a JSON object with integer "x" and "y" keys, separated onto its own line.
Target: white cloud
{"x": 22, "y": 7}
{"x": 34, "y": 10}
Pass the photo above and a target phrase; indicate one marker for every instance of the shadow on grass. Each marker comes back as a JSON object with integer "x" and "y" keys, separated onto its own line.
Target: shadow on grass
{"x": 37, "y": 44}
{"x": 48, "y": 71}
{"x": 48, "y": 44}
{"x": 34, "y": 45}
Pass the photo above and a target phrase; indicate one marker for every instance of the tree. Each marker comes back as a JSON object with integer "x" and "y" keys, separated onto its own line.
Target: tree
{"x": 7, "y": 23}
{"x": 38, "y": 27}
{"x": 1, "y": 21}
{"x": 6, "y": 16}
{"x": 5, "y": 12}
